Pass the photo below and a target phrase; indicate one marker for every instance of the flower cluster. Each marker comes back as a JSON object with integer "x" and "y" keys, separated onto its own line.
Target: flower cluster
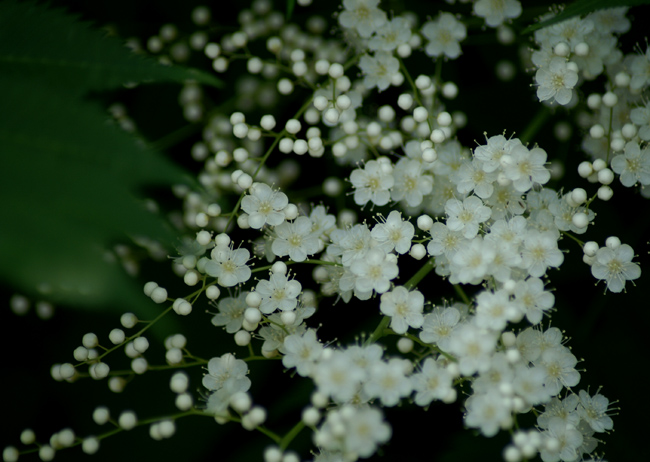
{"x": 494, "y": 221}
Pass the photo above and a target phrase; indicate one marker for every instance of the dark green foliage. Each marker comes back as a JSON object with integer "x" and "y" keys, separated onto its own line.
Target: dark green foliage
{"x": 70, "y": 177}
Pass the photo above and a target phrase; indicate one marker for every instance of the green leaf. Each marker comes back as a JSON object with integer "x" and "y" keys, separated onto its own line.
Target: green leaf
{"x": 72, "y": 180}
{"x": 35, "y": 40}
{"x": 66, "y": 190}
{"x": 583, "y": 7}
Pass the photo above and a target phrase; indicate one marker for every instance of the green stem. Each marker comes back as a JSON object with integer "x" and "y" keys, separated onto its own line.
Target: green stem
{"x": 289, "y": 437}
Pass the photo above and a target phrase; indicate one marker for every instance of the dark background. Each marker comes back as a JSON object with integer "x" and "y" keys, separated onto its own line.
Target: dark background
{"x": 609, "y": 332}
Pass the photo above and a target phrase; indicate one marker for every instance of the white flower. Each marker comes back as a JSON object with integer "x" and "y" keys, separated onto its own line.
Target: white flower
{"x": 593, "y": 409}
{"x": 432, "y": 382}
{"x": 540, "y": 252}
{"x": 354, "y": 431}
{"x": 473, "y": 262}
{"x": 231, "y": 313}
{"x": 566, "y": 442}
{"x": 374, "y": 271}
{"x": 371, "y": 183}
{"x": 641, "y": 117}
{"x": 439, "y": 325}
{"x": 497, "y": 146}
{"x": 472, "y": 347}
{"x": 295, "y": 240}
{"x": 559, "y": 364}
{"x": 394, "y": 233}
{"x": 301, "y": 351}
{"x": 338, "y": 376}
{"x": 388, "y": 382}
{"x": 533, "y": 299}
{"x": 404, "y": 308}
{"x": 226, "y": 376}
{"x": 278, "y": 293}
{"x": 633, "y": 165}
{"x": 527, "y": 167}
{"x": 363, "y": 15}
{"x": 228, "y": 265}
{"x": 411, "y": 183}
{"x": 444, "y": 33}
{"x": 391, "y": 35}
{"x": 556, "y": 82}
{"x": 444, "y": 241}
{"x": 351, "y": 243}
{"x": 494, "y": 310}
{"x": 472, "y": 176}
{"x": 263, "y": 205}
{"x": 378, "y": 69}
{"x": 615, "y": 267}
{"x": 488, "y": 412}
{"x": 466, "y": 216}
{"x": 496, "y": 12}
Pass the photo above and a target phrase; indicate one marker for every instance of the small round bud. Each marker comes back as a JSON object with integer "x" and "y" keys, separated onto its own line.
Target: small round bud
{"x": 425, "y": 222}
{"x": 599, "y": 164}
{"x": 159, "y": 295}
{"x": 191, "y": 278}
{"x": 405, "y": 101}
{"x": 253, "y": 299}
{"x": 139, "y": 365}
{"x": 67, "y": 371}
{"x": 174, "y": 355}
{"x": 293, "y": 126}
{"x": 279, "y": 267}
{"x": 116, "y": 336}
{"x": 610, "y": 99}
{"x": 597, "y": 131}
{"x": 562, "y": 49}
{"x": 336, "y": 71}
{"x": 582, "y": 49}
{"x": 613, "y": 242}
{"x": 311, "y": 416}
{"x": 590, "y": 248}
{"x": 605, "y": 176}
{"x": 243, "y": 338}
{"x": 182, "y": 307}
{"x": 251, "y": 314}
{"x": 594, "y": 100}
{"x": 580, "y": 220}
{"x": 585, "y": 169}
{"x": 46, "y": 453}
{"x": 10, "y": 454}
{"x": 288, "y": 318}
{"x": 405, "y": 345}
{"x": 203, "y": 238}
{"x": 27, "y": 436}
{"x": 99, "y": 370}
{"x": 418, "y": 251}
{"x": 605, "y": 193}
{"x": 300, "y": 147}
{"x": 450, "y": 90}
{"x": 127, "y": 420}
{"x": 101, "y": 415}
{"x": 272, "y": 454}
{"x": 128, "y": 320}
{"x": 212, "y": 292}
{"x": 437, "y": 136}
{"x": 579, "y": 196}
{"x": 80, "y": 353}
{"x": 622, "y": 79}
{"x": 141, "y": 344}
{"x": 429, "y": 155}
{"x": 90, "y": 445}
{"x": 241, "y": 401}
{"x": 184, "y": 401}
{"x": 240, "y": 130}
{"x": 423, "y": 82}
{"x": 179, "y": 382}
{"x": 90, "y": 340}
{"x": 420, "y": 114}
